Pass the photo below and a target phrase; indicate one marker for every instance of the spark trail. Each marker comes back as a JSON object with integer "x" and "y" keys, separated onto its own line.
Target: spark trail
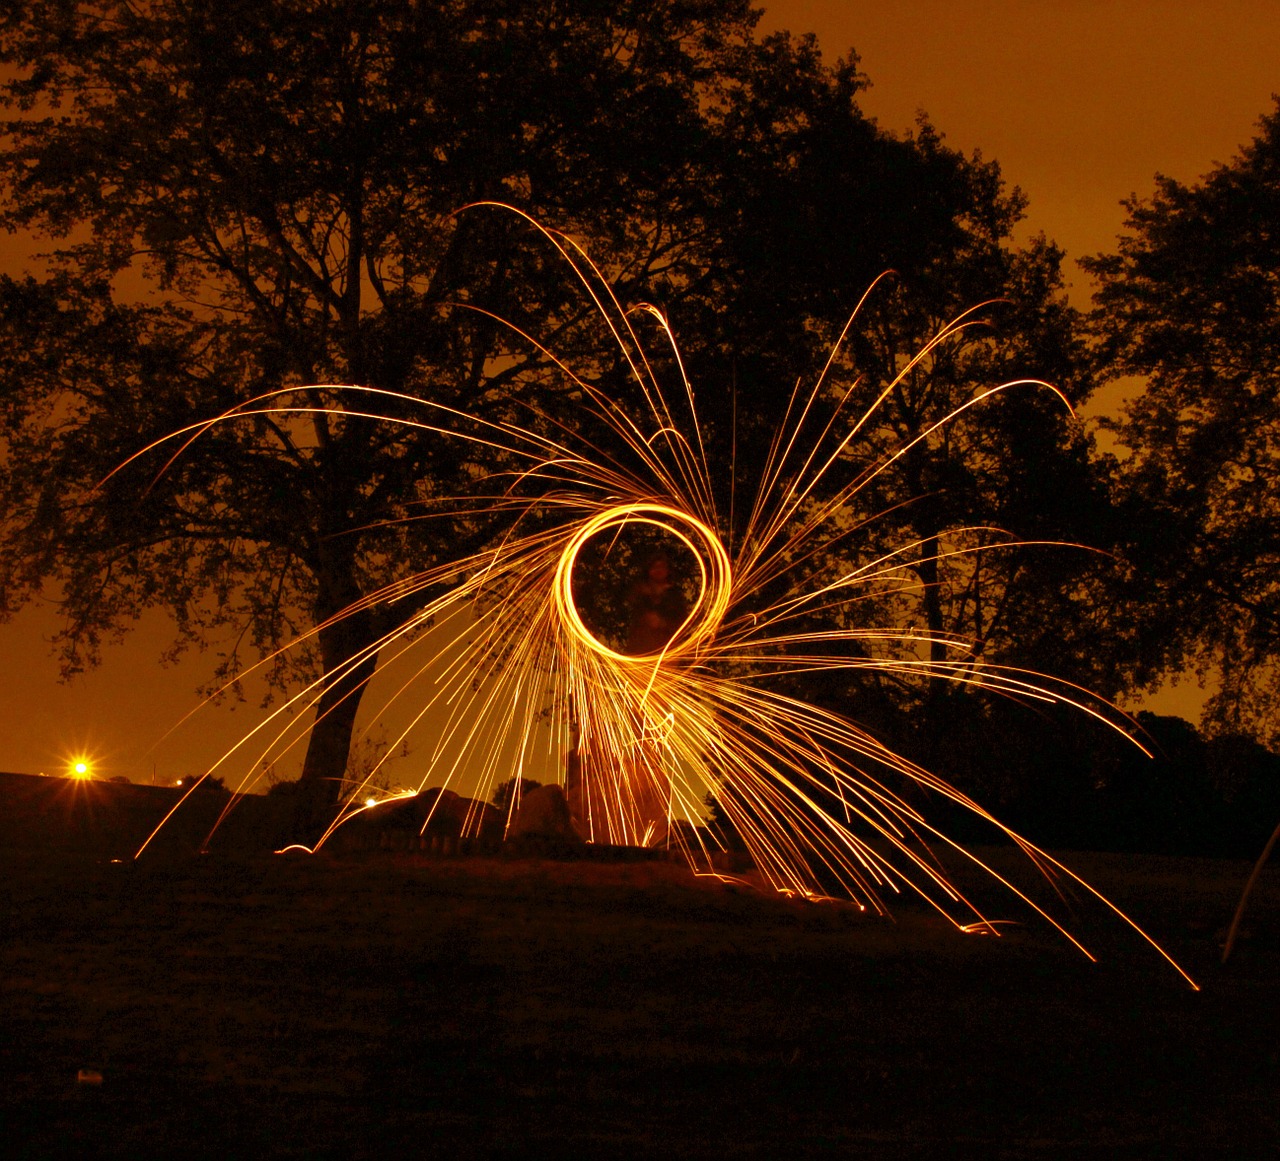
{"x": 515, "y": 676}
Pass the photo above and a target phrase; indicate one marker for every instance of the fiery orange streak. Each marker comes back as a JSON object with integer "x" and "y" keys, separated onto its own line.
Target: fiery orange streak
{"x": 657, "y": 732}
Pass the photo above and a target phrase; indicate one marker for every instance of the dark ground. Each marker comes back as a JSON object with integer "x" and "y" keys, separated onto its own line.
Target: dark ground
{"x": 389, "y": 1005}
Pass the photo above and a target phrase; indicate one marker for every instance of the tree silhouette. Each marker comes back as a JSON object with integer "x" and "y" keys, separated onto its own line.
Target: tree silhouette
{"x": 282, "y": 177}
{"x": 849, "y": 205}
{"x": 1189, "y": 302}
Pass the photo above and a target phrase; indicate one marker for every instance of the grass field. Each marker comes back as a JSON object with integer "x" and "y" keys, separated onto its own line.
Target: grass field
{"x": 388, "y": 1005}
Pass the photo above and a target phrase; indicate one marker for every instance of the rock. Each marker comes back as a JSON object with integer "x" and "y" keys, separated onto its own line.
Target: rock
{"x": 544, "y": 814}
{"x": 435, "y": 820}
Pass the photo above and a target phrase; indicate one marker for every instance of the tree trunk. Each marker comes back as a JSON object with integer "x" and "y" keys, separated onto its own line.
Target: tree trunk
{"x": 928, "y": 572}
{"x": 329, "y": 746}
{"x": 936, "y": 723}
{"x": 928, "y": 520}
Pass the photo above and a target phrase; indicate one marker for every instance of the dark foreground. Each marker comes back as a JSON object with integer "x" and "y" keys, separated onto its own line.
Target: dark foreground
{"x": 396, "y": 1006}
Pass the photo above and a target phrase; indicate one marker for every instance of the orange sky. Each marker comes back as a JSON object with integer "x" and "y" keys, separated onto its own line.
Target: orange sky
{"x": 1081, "y": 101}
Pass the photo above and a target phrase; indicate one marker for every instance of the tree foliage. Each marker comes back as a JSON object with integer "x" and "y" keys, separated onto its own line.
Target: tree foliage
{"x": 285, "y": 176}
{"x": 851, "y": 204}
{"x": 1190, "y": 301}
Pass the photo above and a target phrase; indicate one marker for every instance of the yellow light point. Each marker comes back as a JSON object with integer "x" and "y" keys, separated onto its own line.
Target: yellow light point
{"x": 371, "y": 802}
{"x": 513, "y": 680}
{"x": 80, "y": 770}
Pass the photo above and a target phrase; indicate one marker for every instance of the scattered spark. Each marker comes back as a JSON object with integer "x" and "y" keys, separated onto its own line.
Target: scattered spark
{"x": 639, "y": 739}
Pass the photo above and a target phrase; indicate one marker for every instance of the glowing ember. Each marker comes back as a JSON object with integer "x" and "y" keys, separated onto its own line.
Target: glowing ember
{"x": 641, "y": 735}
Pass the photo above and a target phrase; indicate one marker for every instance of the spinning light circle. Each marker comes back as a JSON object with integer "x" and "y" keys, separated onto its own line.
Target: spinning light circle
{"x": 715, "y": 578}
{"x": 643, "y": 741}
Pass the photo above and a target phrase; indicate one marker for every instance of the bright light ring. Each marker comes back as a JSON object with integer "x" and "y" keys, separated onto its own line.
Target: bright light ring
{"x": 715, "y": 576}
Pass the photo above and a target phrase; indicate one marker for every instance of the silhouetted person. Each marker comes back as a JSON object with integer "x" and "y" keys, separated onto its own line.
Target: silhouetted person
{"x": 575, "y": 788}
{"x": 658, "y": 609}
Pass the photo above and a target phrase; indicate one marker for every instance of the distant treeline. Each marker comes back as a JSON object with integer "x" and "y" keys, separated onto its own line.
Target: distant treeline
{"x": 1064, "y": 780}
